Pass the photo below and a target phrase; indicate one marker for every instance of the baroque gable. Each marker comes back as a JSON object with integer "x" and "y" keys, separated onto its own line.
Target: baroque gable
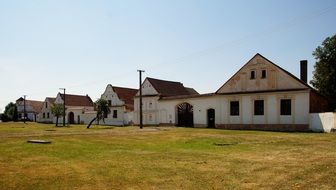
{"x": 111, "y": 95}
{"x": 147, "y": 89}
{"x": 58, "y": 99}
{"x": 260, "y": 74}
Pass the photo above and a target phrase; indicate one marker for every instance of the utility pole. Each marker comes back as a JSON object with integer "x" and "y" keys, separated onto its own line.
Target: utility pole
{"x": 24, "y": 108}
{"x": 140, "y": 102}
{"x": 63, "y": 106}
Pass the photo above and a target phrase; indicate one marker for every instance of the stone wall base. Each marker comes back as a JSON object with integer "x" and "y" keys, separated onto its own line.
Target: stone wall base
{"x": 166, "y": 124}
{"x": 266, "y": 127}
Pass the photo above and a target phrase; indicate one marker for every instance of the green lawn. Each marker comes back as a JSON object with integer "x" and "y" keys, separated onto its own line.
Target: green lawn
{"x": 163, "y": 158}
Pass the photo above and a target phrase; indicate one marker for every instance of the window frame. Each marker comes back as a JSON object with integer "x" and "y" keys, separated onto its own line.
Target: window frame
{"x": 263, "y": 73}
{"x": 234, "y": 109}
{"x": 115, "y": 114}
{"x": 259, "y": 111}
{"x": 254, "y": 75}
{"x": 283, "y": 110}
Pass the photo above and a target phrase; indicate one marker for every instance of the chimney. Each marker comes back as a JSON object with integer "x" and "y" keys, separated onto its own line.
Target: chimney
{"x": 303, "y": 70}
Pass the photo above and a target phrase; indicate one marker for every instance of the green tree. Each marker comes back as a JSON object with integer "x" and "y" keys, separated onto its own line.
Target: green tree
{"x": 102, "y": 108}
{"x": 57, "y": 110}
{"x": 324, "y": 79}
{"x": 10, "y": 113}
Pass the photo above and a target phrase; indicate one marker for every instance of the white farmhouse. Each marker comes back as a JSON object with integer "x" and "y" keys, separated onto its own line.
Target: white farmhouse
{"x": 261, "y": 95}
{"x": 76, "y": 107}
{"x": 121, "y": 103}
{"x": 153, "y": 90}
{"x": 45, "y": 116}
{"x": 32, "y": 108}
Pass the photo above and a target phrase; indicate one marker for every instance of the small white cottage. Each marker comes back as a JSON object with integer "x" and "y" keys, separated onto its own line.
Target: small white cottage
{"x": 153, "y": 90}
{"x": 31, "y": 108}
{"x": 121, "y": 103}
{"x": 76, "y": 107}
{"x": 45, "y": 116}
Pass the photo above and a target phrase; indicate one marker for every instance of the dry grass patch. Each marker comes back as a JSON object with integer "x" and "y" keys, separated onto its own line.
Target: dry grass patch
{"x": 163, "y": 158}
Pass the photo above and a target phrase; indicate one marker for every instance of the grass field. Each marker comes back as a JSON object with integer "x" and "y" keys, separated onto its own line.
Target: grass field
{"x": 163, "y": 158}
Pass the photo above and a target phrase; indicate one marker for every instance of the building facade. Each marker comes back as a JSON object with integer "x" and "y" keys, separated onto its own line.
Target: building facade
{"x": 46, "y": 116}
{"x": 31, "y": 108}
{"x": 121, "y": 104}
{"x": 76, "y": 107}
{"x": 261, "y": 95}
{"x": 153, "y": 90}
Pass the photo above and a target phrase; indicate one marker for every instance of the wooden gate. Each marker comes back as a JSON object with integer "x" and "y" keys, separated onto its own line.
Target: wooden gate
{"x": 185, "y": 115}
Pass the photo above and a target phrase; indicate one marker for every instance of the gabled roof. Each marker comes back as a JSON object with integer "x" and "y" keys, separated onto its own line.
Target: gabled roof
{"x": 170, "y": 88}
{"x": 191, "y": 91}
{"x": 36, "y": 105}
{"x": 126, "y": 95}
{"x": 50, "y": 100}
{"x": 288, "y": 73}
{"x": 77, "y": 100}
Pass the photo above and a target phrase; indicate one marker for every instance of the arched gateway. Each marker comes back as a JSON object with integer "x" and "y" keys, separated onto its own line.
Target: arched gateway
{"x": 185, "y": 115}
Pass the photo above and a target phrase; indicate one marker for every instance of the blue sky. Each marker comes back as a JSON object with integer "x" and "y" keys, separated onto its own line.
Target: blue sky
{"x": 85, "y": 45}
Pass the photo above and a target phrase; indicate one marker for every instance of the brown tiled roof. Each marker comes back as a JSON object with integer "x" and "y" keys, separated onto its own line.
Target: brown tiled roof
{"x": 36, "y": 105}
{"x": 191, "y": 91}
{"x": 77, "y": 100}
{"x": 126, "y": 95}
{"x": 170, "y": 88}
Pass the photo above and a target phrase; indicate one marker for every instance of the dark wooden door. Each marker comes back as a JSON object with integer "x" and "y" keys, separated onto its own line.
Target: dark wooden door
{"x": 71, "y": 118}
{"x": 211, "y": 118}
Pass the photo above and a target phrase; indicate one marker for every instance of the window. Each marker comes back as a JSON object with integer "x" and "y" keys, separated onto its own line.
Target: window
{"x": 150, "y": 117}
{"x": 234, "y": 108}
{"x": 252, "y": 75}
{"x": 109, "y": 102}
{"x": 285, "y": 107}
{"x": 48, "y": 115}
{"x": 259, "y": 107}
{"x": 43, "y": 115}
{"x": 115, "y": 113}
{"x": 263, "y": 74}
{"x": 46, "y": 105}
{"x": 105, "y": 114}
{"x": 150, "y": 105}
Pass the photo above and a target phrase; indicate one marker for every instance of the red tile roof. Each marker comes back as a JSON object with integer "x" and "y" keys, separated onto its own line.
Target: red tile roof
{"x": 77, "y": 100}
{"x": 170, "y": 88}
{"x": 126, "y": 95}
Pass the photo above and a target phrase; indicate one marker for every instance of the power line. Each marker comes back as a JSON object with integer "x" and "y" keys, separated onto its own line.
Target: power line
{"x": 236, "y": 42}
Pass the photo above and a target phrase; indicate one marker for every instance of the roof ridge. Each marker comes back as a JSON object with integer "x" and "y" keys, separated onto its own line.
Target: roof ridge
{"x": 75, "y": 95}
{"x": 124, "y": 87}
{"x": 163, "y": 80}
